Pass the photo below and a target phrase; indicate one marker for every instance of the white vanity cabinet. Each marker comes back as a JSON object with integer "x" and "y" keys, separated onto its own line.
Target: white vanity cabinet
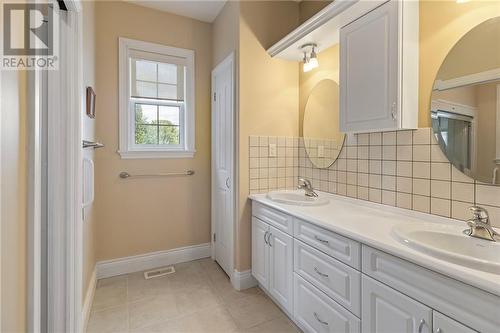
{"x": 272, "y": 260}
{"x": 379, "y": 69}
{"x": 386, "y": 310}
{"x": 327, "y": 282}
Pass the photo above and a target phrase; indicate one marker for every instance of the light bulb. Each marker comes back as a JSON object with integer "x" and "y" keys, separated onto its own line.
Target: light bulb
{"x": 313, "y": 63}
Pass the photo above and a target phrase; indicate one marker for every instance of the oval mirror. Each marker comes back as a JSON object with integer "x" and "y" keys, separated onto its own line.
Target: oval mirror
{"x": 465, "y": 103}
{"x": 323, "y": 140}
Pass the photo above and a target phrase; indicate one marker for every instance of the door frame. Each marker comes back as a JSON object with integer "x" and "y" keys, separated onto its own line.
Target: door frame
{"x": 64, "y": 145}
{"x": 227, "y": 62}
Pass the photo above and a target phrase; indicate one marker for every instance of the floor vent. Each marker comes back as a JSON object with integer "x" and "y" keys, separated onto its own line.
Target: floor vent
{"x": 159, "y": 272}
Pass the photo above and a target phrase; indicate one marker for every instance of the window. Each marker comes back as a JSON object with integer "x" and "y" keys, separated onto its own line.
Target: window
{"x": 156, "y": 100}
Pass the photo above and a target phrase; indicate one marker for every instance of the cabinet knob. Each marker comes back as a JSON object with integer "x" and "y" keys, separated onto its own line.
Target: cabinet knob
{"x": 393, "y": 111}
{"x": 421, "y": 325}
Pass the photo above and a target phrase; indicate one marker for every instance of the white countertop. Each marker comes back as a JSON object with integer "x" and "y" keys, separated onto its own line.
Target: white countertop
{"x": 371, "y": 224}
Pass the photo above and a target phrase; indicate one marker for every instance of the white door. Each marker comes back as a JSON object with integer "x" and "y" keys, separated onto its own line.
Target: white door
{"x": 223, "y": 194}
{"x": 369, "y": 71}
{"x": 384, "y": 310}
{"x": 443, "y": 324}
{"x": 281, "y": 267}
{"x": 260, "y": 252}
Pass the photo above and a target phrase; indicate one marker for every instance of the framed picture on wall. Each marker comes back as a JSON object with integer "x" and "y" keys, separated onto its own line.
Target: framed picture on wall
{"x": 90, "y": 102}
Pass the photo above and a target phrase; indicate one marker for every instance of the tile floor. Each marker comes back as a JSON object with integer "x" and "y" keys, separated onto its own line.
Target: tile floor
{"x": 198, "y": 297}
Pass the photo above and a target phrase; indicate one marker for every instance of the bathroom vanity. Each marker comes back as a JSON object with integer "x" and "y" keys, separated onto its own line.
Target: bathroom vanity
{"x": 340, "y": 267}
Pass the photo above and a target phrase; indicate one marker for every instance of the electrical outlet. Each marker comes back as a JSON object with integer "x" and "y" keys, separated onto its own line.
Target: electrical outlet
{"x": 272, "y": 150}
{"x": 321, "y": 151}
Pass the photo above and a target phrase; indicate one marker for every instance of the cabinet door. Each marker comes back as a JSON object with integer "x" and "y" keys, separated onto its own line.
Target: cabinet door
{"x": 443, "y": 324}
{"x": 281, "y": 268}
{"x": 260, "y": 252}
{"x": 384, "y": 310}
{"x": 369, "y": 71}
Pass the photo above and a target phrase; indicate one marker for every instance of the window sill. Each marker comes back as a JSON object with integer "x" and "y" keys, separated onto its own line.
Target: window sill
{"x": 156, "y": 154}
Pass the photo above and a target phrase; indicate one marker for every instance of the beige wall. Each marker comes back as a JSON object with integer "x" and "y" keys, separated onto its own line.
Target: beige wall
{"x": 308, "y": 8}
{"x": 268, "y": 98}
{"x": 89, "y": 223}
{"x": 145, "y": 215}
{"x": 460, "y": 95}
{"x": 442, "y": 24}
{"x": 328, "y": 69}
{"x": 13, "y": 201}
{"x": 226, "y": 32}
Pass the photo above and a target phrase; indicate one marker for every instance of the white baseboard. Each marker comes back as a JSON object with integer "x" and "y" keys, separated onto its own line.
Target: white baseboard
{"x": 87, "y": 304}
{"x": 151, "y": 260}
{"x": 243, "y": 280}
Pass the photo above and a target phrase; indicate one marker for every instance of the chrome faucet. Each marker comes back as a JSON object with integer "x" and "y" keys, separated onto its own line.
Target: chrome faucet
{"x": 305, "y": 185}
{"x": 480, "y": 226}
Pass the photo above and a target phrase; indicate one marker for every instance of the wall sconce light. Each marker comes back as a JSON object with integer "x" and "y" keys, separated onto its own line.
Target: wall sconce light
{"x": 309, "y": 62}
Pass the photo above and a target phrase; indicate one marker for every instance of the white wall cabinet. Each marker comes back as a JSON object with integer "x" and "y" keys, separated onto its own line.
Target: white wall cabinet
{"x": 386, "y": 310}
{"x": 272, "y": 262}
{"x": 379, "y": 69}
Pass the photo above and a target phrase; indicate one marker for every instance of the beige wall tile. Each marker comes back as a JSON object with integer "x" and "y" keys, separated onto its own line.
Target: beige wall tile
{"x": 441, "y": 207}
{"x": 404, "y": 153}
{"x": 389, "y": 168}
{"x": 422, "y": 186}
{"x": 422, "y": 153}
{"x": 263, "y": 141}
{"x": 389, "y": 138}
{"x": 363, "y": 152}
{"x": 375, "y": 139}
{"x": 459, "y": 176}
{"x": 375, "y": 181}
{"x": 389, "y": 198}
{"x": 404, "y": 169}
{"x": 376, "y": 166}
{"x": 460, "y": 210}
{"x": 363, "y": 179}
{"x": 375, "y": 195}
{"x": 362, "y": 193}
{"x": 488, "y": 195}
{"x": 352, "y": 191}
{"x": 404, "y": 184}
{"x": 422, "y": 136}
{"x": 437, "y": 154}
{"x": 421, "y": 203}
{"x": 422, "y": 170}
{"x": 253, "y": 141}
{"x": 363, "y": 166}
{"x": 441, "y": 171}
{"x": 441, "y": 189}
{"x": 389, "y": 153}
{"x": 404, "y": 138}
{"x": 403, "y": 200}
{"x": 375, "y": 152}
{"x": 363, "y": 139}
{"x": 389, "y": 182}
{"x": 462, "y": 191}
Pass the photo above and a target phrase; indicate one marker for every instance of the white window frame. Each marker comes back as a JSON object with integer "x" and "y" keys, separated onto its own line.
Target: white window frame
{"x": 128, "y": 149}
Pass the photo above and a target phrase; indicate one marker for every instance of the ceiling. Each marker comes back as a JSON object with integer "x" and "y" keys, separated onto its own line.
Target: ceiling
{"x": 203, "y": 10}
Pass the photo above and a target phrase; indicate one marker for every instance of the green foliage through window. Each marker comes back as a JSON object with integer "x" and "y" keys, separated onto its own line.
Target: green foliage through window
{"x": 156, "y": 125}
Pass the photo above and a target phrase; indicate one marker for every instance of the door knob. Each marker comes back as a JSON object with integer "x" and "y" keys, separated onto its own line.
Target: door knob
{"x": 228, "y": 182}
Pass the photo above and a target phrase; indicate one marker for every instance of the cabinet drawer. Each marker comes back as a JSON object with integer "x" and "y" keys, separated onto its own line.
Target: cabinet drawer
{"x": 274, "y": 217}
{"x": 437, "y": 291}
{"x": 339, "y": 247}
{"x": 336, "y": 279}
{"x": 316, "y": 312}
{"x": 443, "y": 324}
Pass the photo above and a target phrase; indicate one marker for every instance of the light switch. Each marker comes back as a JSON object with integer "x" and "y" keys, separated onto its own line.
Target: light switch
{"x": 321, "y": 151}
{"x": 272, "y": 150}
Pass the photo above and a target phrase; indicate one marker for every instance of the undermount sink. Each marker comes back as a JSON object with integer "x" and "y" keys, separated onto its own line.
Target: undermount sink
{"x": 449, "y": 243}
{"x": 297, "y": 198}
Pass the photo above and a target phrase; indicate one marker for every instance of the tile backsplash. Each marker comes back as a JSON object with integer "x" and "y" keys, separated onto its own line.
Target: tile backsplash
{"x": 405, "y": 169}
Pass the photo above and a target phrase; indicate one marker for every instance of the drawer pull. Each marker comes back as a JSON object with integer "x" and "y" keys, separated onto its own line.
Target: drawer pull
{"x": 439, "y": 330}
{"x": 320, "y": 240}
{"x": 265, "y": 239}
{"x": 319, "y": 273}
{"x": 269, "y": 239}
{"x": 318, "y": 319}
{"x": 421, "y": 325}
